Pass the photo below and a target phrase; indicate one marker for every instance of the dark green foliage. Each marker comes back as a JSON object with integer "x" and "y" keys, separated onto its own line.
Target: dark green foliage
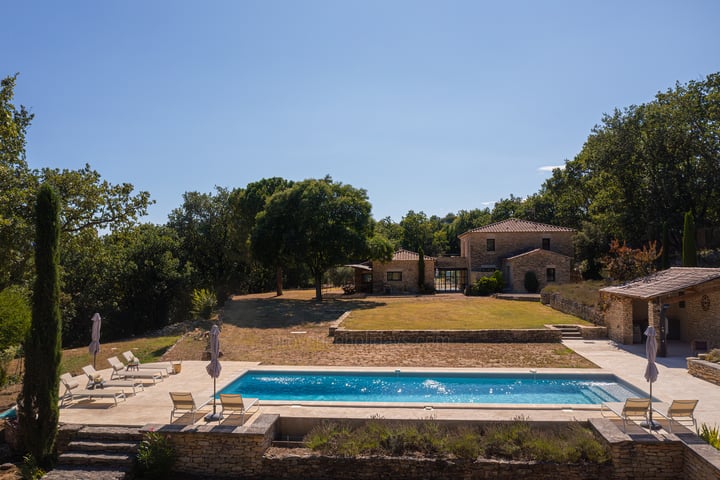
{"x": 531, "y": 282}
{"x": 38, "y": 402}
{"x": 689, "y": 249}
{"x": 155, "y": 457}
{"x": 15, "y": 315}
{"x": 591, "y": 244}
{"x": 665, "y": 257}
{"x": 203, "y": 303}
{"x": 516, "y": 440}
{"x": 485, "y": 286}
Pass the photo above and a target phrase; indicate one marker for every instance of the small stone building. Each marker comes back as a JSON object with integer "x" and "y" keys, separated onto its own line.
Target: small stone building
{"x": 689, "y": 296}
{"x": 399, "y": 275}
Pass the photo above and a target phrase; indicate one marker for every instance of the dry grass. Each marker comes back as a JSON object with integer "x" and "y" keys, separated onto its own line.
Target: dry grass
{"x": 583, "y": 292}
{"x": 293, "y": 330}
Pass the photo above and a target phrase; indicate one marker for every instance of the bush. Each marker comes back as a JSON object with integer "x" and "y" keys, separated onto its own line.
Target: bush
{"x": 531, "y": 282}
{"x": 710, "y": 434}
{"x": 155, "y": 457}
{"x": 713, "y": 355}
{"x": 485, "y": 286}
{"x": 203, "y": 303}
{"x": 517, "y": 440}
{"x": 15, "y": 314}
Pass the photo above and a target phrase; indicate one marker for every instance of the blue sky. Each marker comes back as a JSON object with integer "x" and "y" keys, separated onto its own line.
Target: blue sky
{"x": 430, "y": 106}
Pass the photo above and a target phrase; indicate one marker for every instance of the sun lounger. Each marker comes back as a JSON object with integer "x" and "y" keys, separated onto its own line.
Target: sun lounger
{"x": 235, "y": 403}
{"x": 119, "y": 371}
{"x": 633, "y": 408}
{"x": 183, "y": 403}
{"x": 678, "y": 411}
{"x": 93, "y": 377}
{"x": 74, "y": 392}
{"x": 132, "y": 361}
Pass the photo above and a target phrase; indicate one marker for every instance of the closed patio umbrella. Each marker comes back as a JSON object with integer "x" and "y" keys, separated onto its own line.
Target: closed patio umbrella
{"x": 214, "y": 368}
{"x": 95, "y": 336}
{"x": 651, "y": 370}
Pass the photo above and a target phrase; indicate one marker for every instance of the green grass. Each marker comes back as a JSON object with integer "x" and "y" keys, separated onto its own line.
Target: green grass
{"x": 467, "y": 313}
{"x": 583, "y": 292}
{"x": 147, "y": 349}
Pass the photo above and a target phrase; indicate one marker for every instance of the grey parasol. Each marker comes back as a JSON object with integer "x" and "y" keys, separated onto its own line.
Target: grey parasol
{"x": 214, "y": 368}
{"x": 95, "y": 336}
{"x": 651, "y": 370}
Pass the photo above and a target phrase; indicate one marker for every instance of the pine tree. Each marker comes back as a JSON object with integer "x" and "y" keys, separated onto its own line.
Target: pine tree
{"x": 689, "y": 250}
{"x": 38, "y": 401}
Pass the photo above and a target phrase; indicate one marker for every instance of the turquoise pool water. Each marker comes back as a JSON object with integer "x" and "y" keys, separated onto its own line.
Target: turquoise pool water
{"x": 431, "y": 387}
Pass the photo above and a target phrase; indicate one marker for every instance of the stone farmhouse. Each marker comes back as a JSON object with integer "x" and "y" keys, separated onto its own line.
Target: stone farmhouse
{"x": 512, "y": 246}
{"x": 682, "y": 302}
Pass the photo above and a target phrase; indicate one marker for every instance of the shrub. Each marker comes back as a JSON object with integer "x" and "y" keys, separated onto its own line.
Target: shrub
{"x": 155, "y": 457}
{"x": 203, "y": 303}
{"x": 30, "y": 470}
{"x": 531, "y": 282}
{"x": 485, "y": 286}
{"x": 710, "y": 434}
{"x": 517, "y": 440}
{"x": 713, "y": 355}
{"x": 15, "y": 313}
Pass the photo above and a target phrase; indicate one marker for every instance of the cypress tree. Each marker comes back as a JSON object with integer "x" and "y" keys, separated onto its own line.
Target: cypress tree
{"x": 38, "y": 402}
{"x": 421, "y": 270}
{"x": 689, "y": 250}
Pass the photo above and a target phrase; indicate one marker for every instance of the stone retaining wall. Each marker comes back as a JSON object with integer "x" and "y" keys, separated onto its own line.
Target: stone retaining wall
{"x": 708, "y": 371}
{"x": 571, "y": 307}
{"x": 302, "y": 465}
{"x": 225, "y": 451}
{"x": 592, "y": 333}
{"x": 342, "y": 335}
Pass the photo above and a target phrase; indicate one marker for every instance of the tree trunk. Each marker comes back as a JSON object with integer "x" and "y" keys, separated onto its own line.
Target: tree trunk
{"x": 278, "y": 281}
{"x": 318, "y": 287}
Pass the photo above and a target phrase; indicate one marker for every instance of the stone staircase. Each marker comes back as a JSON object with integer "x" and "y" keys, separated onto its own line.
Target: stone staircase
{"x": 98, "y": 453}
{"x": 569, "y": 332}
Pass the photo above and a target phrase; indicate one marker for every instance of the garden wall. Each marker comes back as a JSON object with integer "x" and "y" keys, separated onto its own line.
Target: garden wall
{"x": 342, "y": 335}
{"x": 232, "y": 452}
{"x": 571, "y": 307}
{"x": 708, "y": 371}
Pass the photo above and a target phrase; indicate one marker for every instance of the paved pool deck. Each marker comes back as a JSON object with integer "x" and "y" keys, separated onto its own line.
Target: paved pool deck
{"x": 153, "y": 405}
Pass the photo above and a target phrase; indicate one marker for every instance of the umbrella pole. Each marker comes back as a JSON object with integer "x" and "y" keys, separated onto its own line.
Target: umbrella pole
{"x": 215, "y": 394}
{"x": 94, "y": 359}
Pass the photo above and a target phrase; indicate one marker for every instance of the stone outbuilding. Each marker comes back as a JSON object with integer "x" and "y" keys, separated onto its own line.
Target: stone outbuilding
{"x": 687, "y": 298}
{"x": 399, "y": 275}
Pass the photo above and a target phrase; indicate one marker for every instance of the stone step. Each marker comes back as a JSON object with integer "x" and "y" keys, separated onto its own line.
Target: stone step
{"x": 85, "y": 473}
{"x": 114, "y": 459}
{"x": 105, "y": 445}
{"x": 109, "y": 433}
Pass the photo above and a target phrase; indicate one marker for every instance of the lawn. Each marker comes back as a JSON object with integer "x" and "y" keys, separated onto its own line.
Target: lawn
{"x": 461, "y": 313}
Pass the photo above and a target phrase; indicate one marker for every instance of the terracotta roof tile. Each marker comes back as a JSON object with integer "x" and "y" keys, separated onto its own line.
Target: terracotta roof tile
{"x": 665, "y": 281}
{"x": 517, "y": 226}
{"x": 403, "y": 254}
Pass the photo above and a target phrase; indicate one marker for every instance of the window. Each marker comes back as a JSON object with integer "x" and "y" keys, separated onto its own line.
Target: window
{"x": 394, "y": 276}
{"x": 546, "y": 244}
{"x": 550, "y": 274}
{"x": 490, "y": 244}
{"x": 367, "y": 277}
{"x": 681, "y": 304}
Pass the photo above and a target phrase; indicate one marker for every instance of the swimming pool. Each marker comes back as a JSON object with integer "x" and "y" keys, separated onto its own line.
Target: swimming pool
{"x": 390, "y": 386}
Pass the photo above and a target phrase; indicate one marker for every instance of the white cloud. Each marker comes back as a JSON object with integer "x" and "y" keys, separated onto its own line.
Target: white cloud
{"x": 550, "y": 168}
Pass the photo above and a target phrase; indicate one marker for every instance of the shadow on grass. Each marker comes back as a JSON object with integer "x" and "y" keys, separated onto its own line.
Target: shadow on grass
{"x": 277, "y": 312}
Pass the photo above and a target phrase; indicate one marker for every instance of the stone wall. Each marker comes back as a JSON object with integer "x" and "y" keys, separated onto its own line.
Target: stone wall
{"x": 221, "y": 451}
{"x": 593, "y": 333}
{"x": 708, "y": 371}
{"x": 409, "y": 271}
{"x": 304, "y": 465}
{"x": 342, "y": 335}
{"x": 571, "y": 307}
{"x": 508, "y": 244}
{"x": 538, "y": 262}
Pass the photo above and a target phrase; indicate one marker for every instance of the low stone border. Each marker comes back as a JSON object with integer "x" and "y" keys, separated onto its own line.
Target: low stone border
{"x": 343, "y": 335}
{"x": 558, "y": 302}
{"x": 708, "y": 371}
